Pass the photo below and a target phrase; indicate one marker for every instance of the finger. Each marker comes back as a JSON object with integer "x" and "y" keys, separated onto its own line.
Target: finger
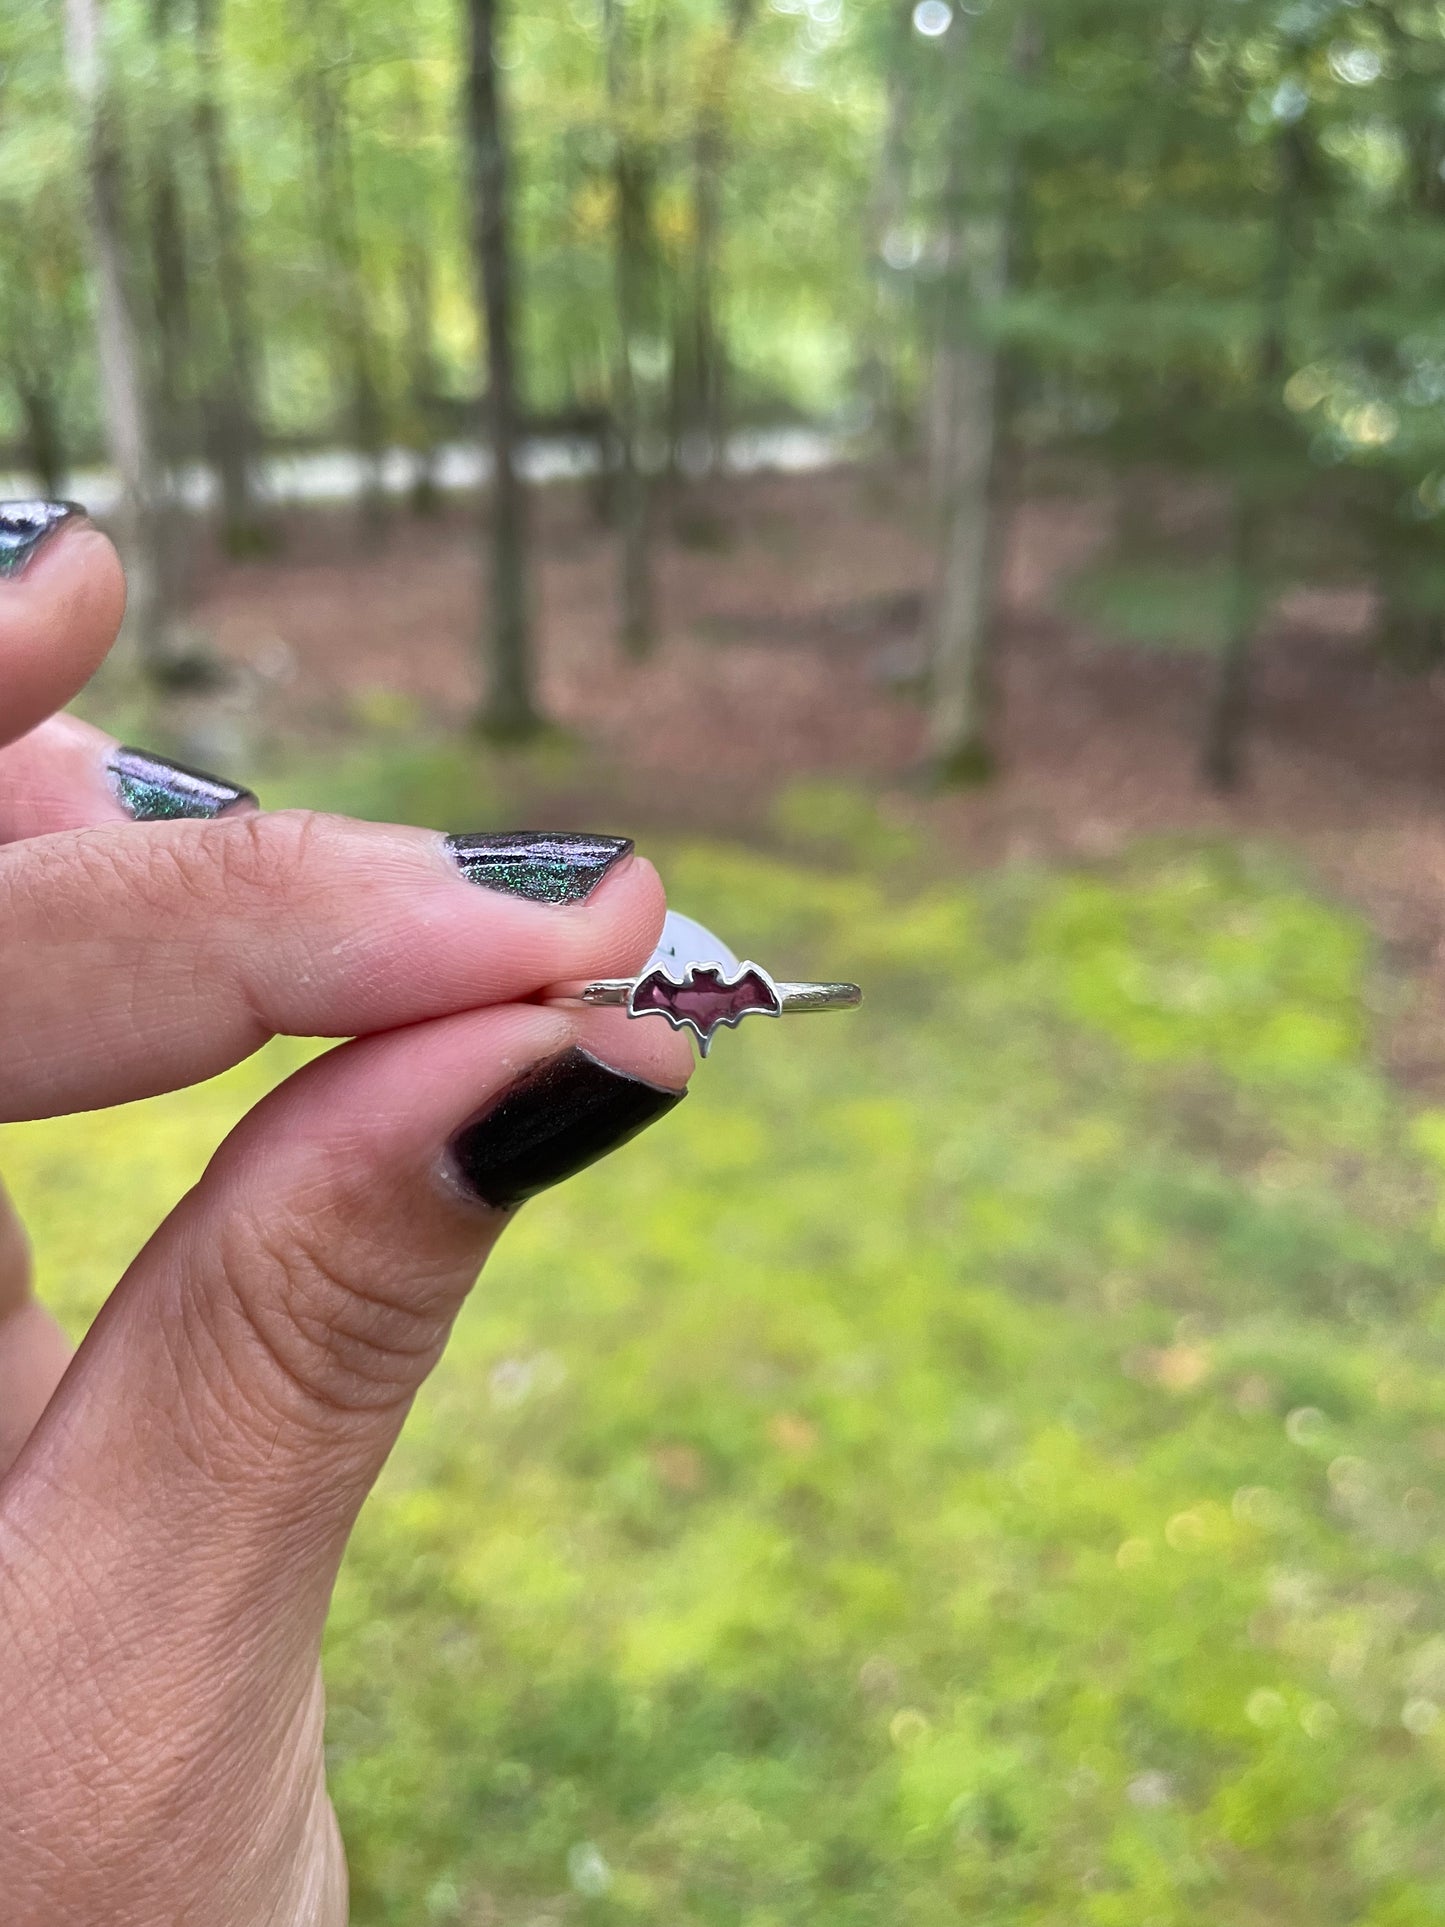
{"x": 62, "y": 595}
{"x": 66, "y": 775}
{"x": 189, "y": 1492}
{"x": 34, "y": 1351}
{"x": 135, "y": 963}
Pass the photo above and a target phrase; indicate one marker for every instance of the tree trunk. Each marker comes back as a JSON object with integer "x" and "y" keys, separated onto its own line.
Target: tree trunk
{"x": 336, "y": 192}
{"x": 509, "y": 709}
{"x": 1222, "y": 761}
{"x": 172, "y": 302}
{"x": 174, "y": 364}
{"x": 418, "y": 301}
{"x": 888, "y": 205}
{"x": 1222, "y": 756}
{"x": 969, "y": 385}
{"x": 44, "y": 448}
{"x": 130, "y": 426}
{"x": 632, "y": 267}
{"x": 960, "y": 694}
{"x": 231, "y": 411}
{"x": 421, "y": 375}
{"x": 634, "y": 484}
{"x": 1410, "y": 620}
{"x": 705, "y": 417}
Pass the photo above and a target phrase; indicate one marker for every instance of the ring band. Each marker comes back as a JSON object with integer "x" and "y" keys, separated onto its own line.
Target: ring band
{"x": 696, "y": 983}
{"x": 792, "y": 998}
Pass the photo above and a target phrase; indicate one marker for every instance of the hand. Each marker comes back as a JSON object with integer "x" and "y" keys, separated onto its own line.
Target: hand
{"x": 175, "y": 1500}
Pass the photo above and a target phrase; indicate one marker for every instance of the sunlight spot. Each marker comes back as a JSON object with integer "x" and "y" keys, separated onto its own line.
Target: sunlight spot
{"x": 1349, "y": 1476}
{"x": 901, "y": 249}
{"x": 1305, "y": 389}
{"x": 1420, "y": 1716}
{"x": 1264, "y": 1707}
{"x": 878, "y": 1676}
{"x": 907, "y": 1727}
{"x": 932, "y": 18}
{"x": 1258, "y": 1505}
{"x": 1182, "y": 1368}
{"x": 1355, "y": 66}
{"x": 1149, "y": 1790}
{"x": 1372, "y": 425}
{"x": 1305, "y": 1425}
{"x": 1185, "y": 1532}
{"x": 587, "y": 1870}
{"x": 1133, "y": 1554}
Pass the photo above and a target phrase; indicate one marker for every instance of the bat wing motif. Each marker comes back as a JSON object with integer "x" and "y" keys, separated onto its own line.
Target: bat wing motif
{"x": 706, "y": 999}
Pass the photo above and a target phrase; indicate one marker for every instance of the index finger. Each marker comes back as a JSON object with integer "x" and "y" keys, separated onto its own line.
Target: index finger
{"x": 136, "y": 960}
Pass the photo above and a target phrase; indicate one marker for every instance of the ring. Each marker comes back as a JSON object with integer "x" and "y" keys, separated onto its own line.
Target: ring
{"x": 695, "y": 982}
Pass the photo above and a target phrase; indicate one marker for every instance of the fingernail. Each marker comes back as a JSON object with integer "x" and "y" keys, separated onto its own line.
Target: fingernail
{"x": 154, "y": 790}
{"x": 552, "y": 1123}
{"x": 25, "y": 525}
{"x": 547, "y": 867}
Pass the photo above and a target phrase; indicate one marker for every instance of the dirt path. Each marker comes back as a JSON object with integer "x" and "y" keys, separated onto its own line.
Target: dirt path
{"x": 787, "y": 642}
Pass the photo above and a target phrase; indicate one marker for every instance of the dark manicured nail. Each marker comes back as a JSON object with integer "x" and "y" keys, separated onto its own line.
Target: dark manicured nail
{"x": 547, "y": 867}
{"x": 25, "y": 525}
{"x": 553, "y": 1122}
{"x": 155, "y": 791}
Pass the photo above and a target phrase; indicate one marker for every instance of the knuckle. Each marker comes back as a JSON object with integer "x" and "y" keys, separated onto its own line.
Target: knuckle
{"x": 266, "y": 856}
{"x": 334, "y": 1323}
{"x": 250, "y": 859}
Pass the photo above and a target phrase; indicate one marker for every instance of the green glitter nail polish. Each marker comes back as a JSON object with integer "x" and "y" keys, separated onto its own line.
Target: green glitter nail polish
{"x": 547, "y": 867}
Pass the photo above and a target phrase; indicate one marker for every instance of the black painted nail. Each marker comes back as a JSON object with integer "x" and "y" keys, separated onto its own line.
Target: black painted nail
{"x": 25, "y": 525}
{"x": 548, "y": 868}
{"x": 155, "y": 790}
{"x": 552, "y": 1123}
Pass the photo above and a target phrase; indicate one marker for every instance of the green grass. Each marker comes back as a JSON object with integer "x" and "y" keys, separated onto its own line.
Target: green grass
{"x": 1157, "y": 604}
{"x": 982, "y": 1460}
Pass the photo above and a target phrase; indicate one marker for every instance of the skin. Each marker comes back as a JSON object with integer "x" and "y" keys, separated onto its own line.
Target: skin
{"x": 176, "y": 1498}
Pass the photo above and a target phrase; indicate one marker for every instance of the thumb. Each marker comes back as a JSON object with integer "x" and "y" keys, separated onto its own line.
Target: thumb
{"x": 61, "y": 598}
{"x": 171, "y": 1532}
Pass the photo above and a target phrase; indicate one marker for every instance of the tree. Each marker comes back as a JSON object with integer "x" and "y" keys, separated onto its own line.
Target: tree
{"x": 978, "y": 256}
{"x": 705, "y": 366}
{"x": 231, "y": 405}
{"x": 639, "y": 335}
{"x": 884, "y": 318}
{"x": 146, "y": 505}
{"x": 509, "y": 709}
{"x": 324, "y": 90}
{"x": 418, "y": 299}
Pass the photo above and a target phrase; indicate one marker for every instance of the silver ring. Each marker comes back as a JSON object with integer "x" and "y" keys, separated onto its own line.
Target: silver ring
{"x": 696, "y": 983}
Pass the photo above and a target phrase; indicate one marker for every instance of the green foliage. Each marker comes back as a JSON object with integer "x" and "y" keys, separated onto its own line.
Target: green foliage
{"x": 1159, "y": 605}
{"x": 979, "y": 1461}
{"x": 1223, "y": 223}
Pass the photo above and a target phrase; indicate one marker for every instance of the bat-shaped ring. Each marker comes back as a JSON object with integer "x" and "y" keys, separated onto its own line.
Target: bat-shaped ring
{"x": 695, "y": 982}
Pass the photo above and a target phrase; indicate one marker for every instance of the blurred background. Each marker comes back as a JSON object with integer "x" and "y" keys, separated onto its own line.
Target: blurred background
{"x": 963, "y": 483}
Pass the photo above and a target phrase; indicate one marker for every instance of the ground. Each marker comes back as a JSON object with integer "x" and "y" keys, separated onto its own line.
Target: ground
{"x": 789, "y": 636}
{"x": 983, "y": 1457}
{"x": 980, "y": 1460}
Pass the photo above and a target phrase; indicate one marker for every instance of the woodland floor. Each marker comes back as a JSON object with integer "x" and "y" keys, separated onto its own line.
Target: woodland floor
{"x": 789, "y": 633}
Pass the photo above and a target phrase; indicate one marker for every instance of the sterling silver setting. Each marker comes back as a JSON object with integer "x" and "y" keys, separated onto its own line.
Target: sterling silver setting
{"x": 695, "y": 983}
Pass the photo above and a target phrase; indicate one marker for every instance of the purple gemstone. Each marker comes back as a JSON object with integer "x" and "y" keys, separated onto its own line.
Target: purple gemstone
{"x": 703, "y": 1000}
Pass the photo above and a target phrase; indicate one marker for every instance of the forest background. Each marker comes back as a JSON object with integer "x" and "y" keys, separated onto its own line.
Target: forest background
{"x": 964, "y": 481}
